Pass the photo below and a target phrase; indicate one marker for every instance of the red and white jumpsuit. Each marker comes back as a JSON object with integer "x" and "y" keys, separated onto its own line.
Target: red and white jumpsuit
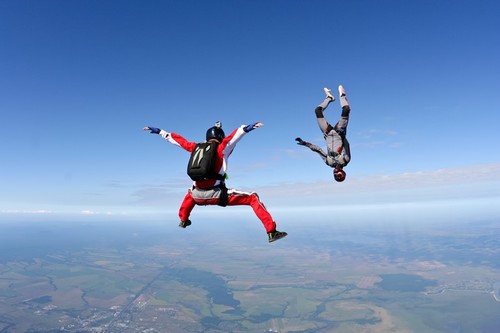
{"x": 207, "y": 192}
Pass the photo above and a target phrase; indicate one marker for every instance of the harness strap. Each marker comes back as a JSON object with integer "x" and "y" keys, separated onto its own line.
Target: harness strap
{"x": 217, "y": 176}
{"x": 224, "y": 197}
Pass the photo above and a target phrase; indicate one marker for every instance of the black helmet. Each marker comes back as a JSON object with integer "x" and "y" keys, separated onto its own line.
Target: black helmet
{"x": 216, "y": 132}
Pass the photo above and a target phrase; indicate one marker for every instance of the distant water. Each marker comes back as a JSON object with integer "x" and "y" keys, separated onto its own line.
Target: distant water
{"x": 215, "y": 285}
{"x": 404, "y": 282}
{"x": 23, "y": 241}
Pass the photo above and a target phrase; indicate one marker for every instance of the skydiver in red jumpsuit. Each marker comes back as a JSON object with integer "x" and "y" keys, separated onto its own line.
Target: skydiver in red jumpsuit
{"x": 214, "y": 191}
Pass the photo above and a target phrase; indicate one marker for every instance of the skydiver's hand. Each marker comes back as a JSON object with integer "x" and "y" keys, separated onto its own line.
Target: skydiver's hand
{"x": 153, "y": 130}
{"x": 253, "y": 126}
{"x": 300, "y": 141}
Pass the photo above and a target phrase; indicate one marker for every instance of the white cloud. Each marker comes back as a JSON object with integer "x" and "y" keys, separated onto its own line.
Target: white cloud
{"x": 444, "y": 184}
{"x": 107, "y": 213}
{"x": 471, "y": 189}
{"x": 88, "y": 212}
{"x": 36, "y": 211}
{"x": 370, "y": 133}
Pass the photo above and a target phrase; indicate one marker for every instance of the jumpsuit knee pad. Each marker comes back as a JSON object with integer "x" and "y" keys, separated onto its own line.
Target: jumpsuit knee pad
{"x": 345, "y": 110}
{"x": 319, "y": 112}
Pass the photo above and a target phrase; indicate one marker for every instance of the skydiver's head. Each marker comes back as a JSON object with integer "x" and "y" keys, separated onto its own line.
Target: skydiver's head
{"x": 216, "y": 132}
{"x": 339, "y": 174}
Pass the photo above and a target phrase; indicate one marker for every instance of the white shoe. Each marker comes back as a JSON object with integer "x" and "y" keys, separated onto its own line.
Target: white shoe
{"x": 341, "y": 91}
{"x": 328, "y": 93}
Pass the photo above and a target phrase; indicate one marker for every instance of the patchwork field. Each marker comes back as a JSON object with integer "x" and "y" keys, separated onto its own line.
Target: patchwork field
{"x": 165, "y": 285}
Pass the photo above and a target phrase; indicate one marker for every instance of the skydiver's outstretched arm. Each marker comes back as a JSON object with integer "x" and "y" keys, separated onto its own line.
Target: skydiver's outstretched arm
{"x": 153, "y": 130}
{"x": 253, "y": 126}
{"x": 313, "y": 147}
{"x": 230, "y": 141}
{"x": 156, "y": 130}
{"x": 173, "y": 138}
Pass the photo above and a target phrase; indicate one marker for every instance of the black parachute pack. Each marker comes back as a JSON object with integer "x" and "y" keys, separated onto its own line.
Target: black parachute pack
{"x": 201, "y": 164}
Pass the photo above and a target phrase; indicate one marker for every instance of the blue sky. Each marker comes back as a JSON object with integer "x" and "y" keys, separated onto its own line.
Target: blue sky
{"x": 79, "y": 80}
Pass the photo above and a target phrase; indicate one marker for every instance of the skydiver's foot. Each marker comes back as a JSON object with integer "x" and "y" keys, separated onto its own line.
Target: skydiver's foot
{"x": 328, "y": 93}
{"x": 275, "y": 235}
{"x": 341, "y": 91}
{"x": 344, "y": 102}
{"x": 301, "y": 142}
{"x": 184, "y": 224}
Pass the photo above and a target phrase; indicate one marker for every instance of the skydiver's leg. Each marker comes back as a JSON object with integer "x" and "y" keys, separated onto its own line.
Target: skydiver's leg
{"x": 326, "y": 128}
{"x": 237, "y": 198}
{"x": 335, "y": 139}
{"x": 187, "y": 206}
{"x": 320, "y": 117}
{"x": 341, "y": 126}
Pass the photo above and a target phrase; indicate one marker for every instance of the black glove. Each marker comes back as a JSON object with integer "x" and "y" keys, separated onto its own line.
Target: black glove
{"x": 300, "y": 141}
